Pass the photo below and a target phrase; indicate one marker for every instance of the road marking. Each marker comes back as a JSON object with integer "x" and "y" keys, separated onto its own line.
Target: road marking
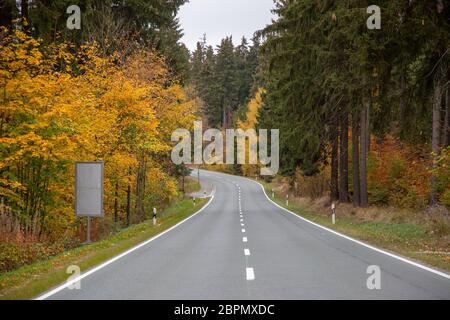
{"x": 244, "y": 239}
{"x": 250, "y": 274}
{"x": 418, "y": 265}
{"x": 242, "y": 225}
{"x": 243, "y": 230}
{"x": 242, "y": 220}
{"x": 84, "y": 275}
{"x": 247, "y": 252}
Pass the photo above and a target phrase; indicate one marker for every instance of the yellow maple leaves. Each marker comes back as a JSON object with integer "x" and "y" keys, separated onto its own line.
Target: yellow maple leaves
{"x": 57, "y": 107}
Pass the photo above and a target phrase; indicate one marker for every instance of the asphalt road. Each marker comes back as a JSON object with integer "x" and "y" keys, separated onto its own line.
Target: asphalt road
{"x": 263, "y": 253}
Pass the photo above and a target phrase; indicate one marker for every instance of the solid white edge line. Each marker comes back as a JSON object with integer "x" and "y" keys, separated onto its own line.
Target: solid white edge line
{"x": 244, "y": 239}
{"x": 250, "y": 274}
{"x": 68, "y": 283}
{"x": 246, "y": 252}
{"x": 243, "y": 230}
{"x": 418, "y": 265}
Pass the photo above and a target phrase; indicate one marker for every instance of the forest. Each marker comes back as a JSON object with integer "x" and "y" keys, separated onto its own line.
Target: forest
{"x": 76, "y": 95}
{"x": 363, "y": 114}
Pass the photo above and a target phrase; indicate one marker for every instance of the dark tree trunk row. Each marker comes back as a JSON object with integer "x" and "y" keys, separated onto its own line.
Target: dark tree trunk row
{"x": 116, "y": 202}
{"x": 355, "y": 158}
{"x": 343, "y": 157}
{"x": 334, "y": 160}
{"x": 436, "y": 128}
{"x": 446, "y": 122}
{"x": 363, "y": 151}
{"x": 140, "y": 187}
{"x": 128, "y": 203}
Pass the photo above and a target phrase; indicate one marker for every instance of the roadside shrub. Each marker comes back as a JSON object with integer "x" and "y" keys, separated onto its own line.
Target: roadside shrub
{"x": 16, "y": 255}
{"x": 443, "y": 177}
{"x": 398, "y": 175}
{"x": 379, "y": 195}
{"x": 313, "y": 187}
{"x": 445, "y": 199}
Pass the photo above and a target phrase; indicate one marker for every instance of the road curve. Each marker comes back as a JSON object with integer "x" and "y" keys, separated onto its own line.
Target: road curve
{"x": 242, "y": 246}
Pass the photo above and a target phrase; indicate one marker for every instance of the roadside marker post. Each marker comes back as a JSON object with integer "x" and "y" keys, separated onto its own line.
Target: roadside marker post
{"x": 287, "y": 200}
{"x": 154, "y": 216}
{"x": 333, "y": 213}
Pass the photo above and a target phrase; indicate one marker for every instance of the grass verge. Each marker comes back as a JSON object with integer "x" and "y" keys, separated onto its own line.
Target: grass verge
{"x": 407, "y": 239}
{"x": 29, "y": 281}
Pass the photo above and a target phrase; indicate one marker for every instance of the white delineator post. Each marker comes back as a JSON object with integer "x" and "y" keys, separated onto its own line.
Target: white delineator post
{"x": 273, "y": 194}
{"x": 287, "y": 200}
{"x": 154, "y": 216}
{"x": 333, "y": 213}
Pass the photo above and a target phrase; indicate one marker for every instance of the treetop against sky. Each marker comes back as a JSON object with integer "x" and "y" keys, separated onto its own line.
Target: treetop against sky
{"x": 218, "y": 19}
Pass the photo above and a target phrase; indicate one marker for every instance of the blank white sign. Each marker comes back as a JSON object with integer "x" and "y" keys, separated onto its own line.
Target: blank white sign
{"x": 89, "y": 189}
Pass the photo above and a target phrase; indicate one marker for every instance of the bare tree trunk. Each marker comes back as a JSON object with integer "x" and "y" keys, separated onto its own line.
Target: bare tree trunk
{"x": 116, "y": 202}
{"x": 355, "y": 158}
{"x": 334, "y": 161}
{"x": 402, "y": 95}
{"x": 184, "y": 191}
{"x": 364, "y": 201}
{"x": 436, "y": 128}
{"x": 6, "y": 12}
{"x": 128, "y": 203}
{"x": 24, "y": 10}
{"x": 343, "y": 157}
{"x": 140, "y": 186}
{"x": 446, "y": 127}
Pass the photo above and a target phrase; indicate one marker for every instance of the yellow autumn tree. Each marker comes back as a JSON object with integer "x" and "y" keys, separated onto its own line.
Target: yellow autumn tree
{"x": 250, "y": 123}
{"x": 58, "y": 107}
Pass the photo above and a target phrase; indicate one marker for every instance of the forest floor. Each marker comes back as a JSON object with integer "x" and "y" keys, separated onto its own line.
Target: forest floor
{"x": 417, "y": 235}
{"x": 29, "y": 281}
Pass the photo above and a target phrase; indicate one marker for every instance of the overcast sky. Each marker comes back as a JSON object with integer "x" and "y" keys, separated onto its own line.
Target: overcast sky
{"x": 221, "y": 18}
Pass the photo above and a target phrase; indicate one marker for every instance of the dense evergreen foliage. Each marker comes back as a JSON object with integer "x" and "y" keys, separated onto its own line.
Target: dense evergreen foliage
{"x": 327, "y": 72}
{"x": 114, "y": 24}
{"x": 223, "y": 78}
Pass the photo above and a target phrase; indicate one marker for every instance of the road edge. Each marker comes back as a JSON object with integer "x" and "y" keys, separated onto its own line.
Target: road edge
{"x": 392, "y": 255}
{"x": 110, "y": 261}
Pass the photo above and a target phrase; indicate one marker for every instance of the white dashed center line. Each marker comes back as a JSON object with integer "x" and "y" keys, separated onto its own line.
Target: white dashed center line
{"x": 250, "y": 273}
